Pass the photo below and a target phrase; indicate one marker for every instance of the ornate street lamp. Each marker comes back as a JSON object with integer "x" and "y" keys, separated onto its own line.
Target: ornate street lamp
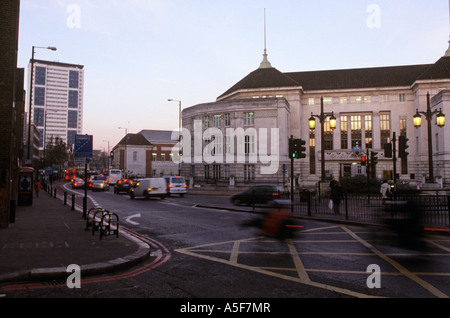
{"x": 440, "y": 121}
{"x": 312, "y": 126}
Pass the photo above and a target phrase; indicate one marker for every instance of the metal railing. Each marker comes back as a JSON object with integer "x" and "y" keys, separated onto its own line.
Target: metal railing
{"x": 431, "y": 209}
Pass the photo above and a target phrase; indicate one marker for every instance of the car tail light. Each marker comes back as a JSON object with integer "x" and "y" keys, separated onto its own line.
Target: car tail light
{"x": 149, "y": 189}
{"x": 185, "y": 185}
{"x": 169, "y": 186}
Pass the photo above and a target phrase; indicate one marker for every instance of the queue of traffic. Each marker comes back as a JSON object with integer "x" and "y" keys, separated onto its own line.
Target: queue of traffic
{"x": 134, "y": 187}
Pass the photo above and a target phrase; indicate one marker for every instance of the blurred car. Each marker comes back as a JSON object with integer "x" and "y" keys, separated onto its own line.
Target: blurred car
{"x": 259, "y": 194}
{"x": 176, "y": 185}
{"x": 77, "y": 183}
{"x": 99, "y": 185}
{"x": 123, "y": 185}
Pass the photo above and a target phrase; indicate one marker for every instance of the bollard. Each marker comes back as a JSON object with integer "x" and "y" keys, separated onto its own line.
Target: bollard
{"x": 55, "y": 193}
{"x": 73, "y": 201}
{"x": 65, "y": 198}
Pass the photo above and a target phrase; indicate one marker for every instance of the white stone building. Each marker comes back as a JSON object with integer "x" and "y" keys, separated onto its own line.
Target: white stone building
{"x": 370, "y": 105}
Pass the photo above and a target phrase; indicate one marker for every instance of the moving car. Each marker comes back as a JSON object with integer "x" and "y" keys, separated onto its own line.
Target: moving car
{"x": 259, "y": 194}
{"x": 77, "y": 183}
{"x": 99, "y": 183}
{"x": 123, "y": 185}
{"x": 149, "y": 187}
{"x": 176, "y": 185}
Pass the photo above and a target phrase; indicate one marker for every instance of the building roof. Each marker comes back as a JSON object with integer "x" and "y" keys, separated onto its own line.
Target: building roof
{"x": 58, "y": 64}
{"x": 357, "y": 78}
{"x": 134, "y": 140}
{"x": 158, "y": 135}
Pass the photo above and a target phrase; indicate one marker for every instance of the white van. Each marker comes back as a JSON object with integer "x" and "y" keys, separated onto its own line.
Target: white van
{"x": 114, "y": 176}
{"x": 176, "y": 185}
{"x": 149, "y": 187}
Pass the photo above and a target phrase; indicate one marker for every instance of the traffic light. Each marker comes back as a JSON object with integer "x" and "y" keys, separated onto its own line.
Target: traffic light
{"x": 363, "y": 160}
{"x": 296, "y": 148}
{"x": 301, "y": 149}
{"x": 388, "y": 150}
{"x": 402, "y": 146}
{"x": 374, "y": 159}
{"x": 292, "y": 152}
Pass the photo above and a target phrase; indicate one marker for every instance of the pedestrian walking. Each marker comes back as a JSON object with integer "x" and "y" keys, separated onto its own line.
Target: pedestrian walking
{"x": 385, "y": 190}
{"x": 336, "y": 196}
{"x": 37, "y": 187}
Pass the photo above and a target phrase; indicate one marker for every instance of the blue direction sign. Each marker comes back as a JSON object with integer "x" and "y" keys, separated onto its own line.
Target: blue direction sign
{"x": 83, "y": 146}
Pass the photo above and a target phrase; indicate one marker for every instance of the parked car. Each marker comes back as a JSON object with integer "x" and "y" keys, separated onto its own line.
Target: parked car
{"x": 149, "y": 187}
{"x": 123, "y": 185}
{"x": 77, "y": 183}
{"x": 176, "y": 185}
{"x": 259, "y": 194}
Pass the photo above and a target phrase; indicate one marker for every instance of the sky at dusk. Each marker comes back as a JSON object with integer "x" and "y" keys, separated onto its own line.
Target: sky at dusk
{"x": 140, "y": 53}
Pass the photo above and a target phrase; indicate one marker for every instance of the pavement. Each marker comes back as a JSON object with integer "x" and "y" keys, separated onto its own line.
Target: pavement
{"x": 48, "y": 236}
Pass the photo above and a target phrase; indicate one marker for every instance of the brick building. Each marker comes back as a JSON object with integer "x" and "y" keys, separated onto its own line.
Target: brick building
{"x": 10, "y": 115}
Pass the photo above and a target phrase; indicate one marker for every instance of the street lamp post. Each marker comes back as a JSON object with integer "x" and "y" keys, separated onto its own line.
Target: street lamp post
{"x": 31, "y": 93}
{"x": 440, "y": 121}
{"x": 179, "y": 131}
{"x": 312, "y": 125}
{"x": 125, "y": 155}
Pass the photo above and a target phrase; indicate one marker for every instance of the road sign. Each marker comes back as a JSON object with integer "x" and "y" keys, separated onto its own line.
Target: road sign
{"x": 83, "y": 146}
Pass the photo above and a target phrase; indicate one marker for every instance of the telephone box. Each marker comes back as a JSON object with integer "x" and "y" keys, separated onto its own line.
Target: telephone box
{"x": 25, "y": 195}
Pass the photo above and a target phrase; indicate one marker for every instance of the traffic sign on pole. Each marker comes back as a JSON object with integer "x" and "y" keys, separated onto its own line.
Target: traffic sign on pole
{"x": 83, "y": 146}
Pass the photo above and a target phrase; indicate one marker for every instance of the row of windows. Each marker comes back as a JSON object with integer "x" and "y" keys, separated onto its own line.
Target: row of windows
{"x": 355, "y": 99}
{"x": 41, "y": 72}
{"x": 39, "y": 118}
{"x": 217, "y": 173}
{"x": 218, "y": 119}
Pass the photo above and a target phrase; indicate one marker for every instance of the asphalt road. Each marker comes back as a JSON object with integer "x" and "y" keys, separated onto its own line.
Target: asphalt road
{"x": 206, "y": 253}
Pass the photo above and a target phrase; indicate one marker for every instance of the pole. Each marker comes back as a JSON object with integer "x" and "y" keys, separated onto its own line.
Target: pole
{"x": 30, "y": 99}
{"x": 430, "y": 141}
{"x": 85, "y": 189}
{"x": 394, "y": 157}
{"x": 292, "y": 180}
{"x": 322, "y": 139}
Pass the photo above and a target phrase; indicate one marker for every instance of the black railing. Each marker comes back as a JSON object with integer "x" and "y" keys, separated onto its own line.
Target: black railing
{"x": 431, "y": 210}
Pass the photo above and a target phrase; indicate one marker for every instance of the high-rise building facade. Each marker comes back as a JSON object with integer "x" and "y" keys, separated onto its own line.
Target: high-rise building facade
{"x": 57, "y": 100}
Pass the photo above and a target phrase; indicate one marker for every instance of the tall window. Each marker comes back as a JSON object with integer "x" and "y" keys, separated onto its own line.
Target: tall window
{"x": 355, "y": 126}
{"x": 72, "y": 119}
{"x": 368, "y": 131}
{"x": 73, "y": 79}
{"x": 385, "y": 128}
{"x": 227, "y": 119}
{"x": 249, "y": 118}
{"x": 217, "y": 120}
{"x": 404, "y": 160}
{"x": 73, "y": 99}
{"x": 249, "y": 172}
{"x": 250, "y": 147}
{"x": 40, "y": 73}
{"x": 206, "y": 122}
{"x": 344, "y": 132}
{"x": 328, "y": 135}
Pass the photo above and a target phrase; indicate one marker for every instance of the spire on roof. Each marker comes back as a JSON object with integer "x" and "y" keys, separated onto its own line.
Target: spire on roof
{"x": 265, "y": 62}
{"x": 447, "y": 53}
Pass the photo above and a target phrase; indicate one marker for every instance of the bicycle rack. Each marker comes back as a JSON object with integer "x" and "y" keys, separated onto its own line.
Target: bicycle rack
{"x": 97, "y": 225}
{"x": 89, "y": 222}
{"x": 105, "y": 228}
